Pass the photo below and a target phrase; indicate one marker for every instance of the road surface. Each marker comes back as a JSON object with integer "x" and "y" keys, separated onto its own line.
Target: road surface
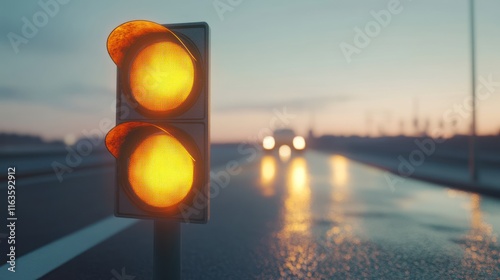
{"x": 314, "y": 216}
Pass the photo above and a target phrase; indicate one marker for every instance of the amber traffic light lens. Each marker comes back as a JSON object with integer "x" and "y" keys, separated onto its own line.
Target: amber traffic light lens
{"x": 162, "y": 76}
{"x": 161, "y": 171}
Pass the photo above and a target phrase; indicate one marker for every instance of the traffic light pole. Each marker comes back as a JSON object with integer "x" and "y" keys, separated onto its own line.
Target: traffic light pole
{"x": 472, "y": 145}
{"x": 167, "y": 250}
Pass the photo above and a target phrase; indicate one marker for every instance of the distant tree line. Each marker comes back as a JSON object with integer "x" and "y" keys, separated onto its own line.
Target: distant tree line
{"x": 12, "y": 139}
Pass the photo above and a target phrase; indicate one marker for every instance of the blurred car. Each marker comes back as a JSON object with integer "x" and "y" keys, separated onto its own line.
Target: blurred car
{"x": 284, "y": 139}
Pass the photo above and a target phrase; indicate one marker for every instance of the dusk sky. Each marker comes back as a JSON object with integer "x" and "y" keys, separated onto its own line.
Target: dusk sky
{"x": 265, "y": 56}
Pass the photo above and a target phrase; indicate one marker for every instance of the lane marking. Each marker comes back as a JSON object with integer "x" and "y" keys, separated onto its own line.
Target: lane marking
{"x": 43, "y": 260}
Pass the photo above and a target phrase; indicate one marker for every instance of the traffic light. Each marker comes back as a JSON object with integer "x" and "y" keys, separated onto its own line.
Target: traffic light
{"x": 161, "y": 140}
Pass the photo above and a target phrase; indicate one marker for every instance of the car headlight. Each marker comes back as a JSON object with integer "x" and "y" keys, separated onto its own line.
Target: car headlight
{"x": 268, "y": 143}
{"x": 299, "y": 143}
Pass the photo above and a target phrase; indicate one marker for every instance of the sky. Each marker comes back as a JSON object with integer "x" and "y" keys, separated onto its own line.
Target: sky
{"x": 306, "y": 58}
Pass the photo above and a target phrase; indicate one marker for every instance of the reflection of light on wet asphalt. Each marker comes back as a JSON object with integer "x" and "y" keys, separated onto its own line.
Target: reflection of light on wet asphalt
{"x": 296, "y": 245}
{"x": 481, "y": 255}
{"x": 340, "y": 174}
{"x": 267, "y": 174}
{"x": 327, "y": 229}
{"x": 352, "y": 258}
{"x": 339, "y": 194}
{"x": 308, "y": 251}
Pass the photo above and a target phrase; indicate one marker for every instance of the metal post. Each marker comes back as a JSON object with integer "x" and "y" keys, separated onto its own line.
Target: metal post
{"x": 472, "y": 146}
{"x": 167, "y": 250}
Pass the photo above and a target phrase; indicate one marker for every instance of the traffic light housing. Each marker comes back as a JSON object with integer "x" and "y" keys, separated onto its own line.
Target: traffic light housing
{"x": 161, "y": 140}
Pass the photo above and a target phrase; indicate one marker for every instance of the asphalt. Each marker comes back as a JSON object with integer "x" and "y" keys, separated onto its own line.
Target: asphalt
{"x": 315, "y": 216}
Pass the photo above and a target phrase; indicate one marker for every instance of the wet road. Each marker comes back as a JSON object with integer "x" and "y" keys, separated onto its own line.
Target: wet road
{"x": 326, "y": 217}
{"x": 340, "y": 219}
{"x": 315, "y": 216}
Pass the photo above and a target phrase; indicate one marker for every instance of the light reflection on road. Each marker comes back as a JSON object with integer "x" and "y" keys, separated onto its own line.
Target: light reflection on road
{"x": 338, "y": 219}
{"x": 339, "y": 168}
{"x": 296, "y": 245}
{"x": 352, "y": 257}
{"x": 339, "y": 193}
{"x": 267, "y": 175}
{"x": 481, "y": 255}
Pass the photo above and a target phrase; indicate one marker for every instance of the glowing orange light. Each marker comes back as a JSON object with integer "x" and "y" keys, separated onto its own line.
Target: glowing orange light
{"x": 267, "y": 174}
{"x": 298, "y": 176}
{"x": 162, "y": 76}
{"x": 161, "y": 171}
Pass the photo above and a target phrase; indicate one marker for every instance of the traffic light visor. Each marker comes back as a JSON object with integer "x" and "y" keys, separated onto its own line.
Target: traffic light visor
{"x": 126, "y": 35}
{"x": 158, "y": 69}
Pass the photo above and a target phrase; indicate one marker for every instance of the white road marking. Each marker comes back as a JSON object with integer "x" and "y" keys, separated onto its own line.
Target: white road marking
{"x": 45, "y": 259}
